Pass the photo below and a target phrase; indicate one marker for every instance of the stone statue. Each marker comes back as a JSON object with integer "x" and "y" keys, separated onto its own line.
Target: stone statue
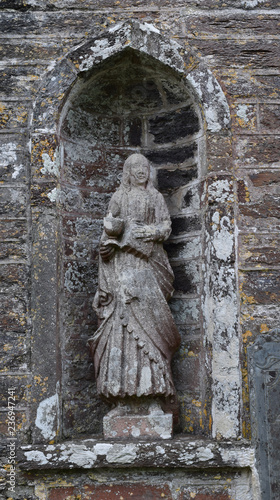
{"x": 137, "y": 336}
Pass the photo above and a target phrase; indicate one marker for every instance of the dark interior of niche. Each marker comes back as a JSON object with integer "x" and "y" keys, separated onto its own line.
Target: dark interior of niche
{"x": 131, "y": 100}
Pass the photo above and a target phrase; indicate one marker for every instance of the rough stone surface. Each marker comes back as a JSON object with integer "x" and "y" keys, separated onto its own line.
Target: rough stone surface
{"x": 264, "y": 357}
{"x": 138, "y": 426}
{"x": 215, "y": 61}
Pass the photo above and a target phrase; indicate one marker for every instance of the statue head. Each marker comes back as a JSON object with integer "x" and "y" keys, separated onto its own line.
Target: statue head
{"x": 136, "y": 171}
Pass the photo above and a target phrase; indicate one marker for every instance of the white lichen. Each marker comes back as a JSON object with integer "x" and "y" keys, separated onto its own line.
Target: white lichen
{"x": 16, "y": 171}
{"x": 50, "y": 166}
{"x": 79, "y": 455}
{"x": 46, "y": 417}
{"x": 54, "y": 195}
{"x": 36, "y": 456}
{"x": 122, "y": 454}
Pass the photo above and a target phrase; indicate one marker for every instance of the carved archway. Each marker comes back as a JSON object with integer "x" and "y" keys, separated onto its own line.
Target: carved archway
{"x": 202, "y": 206}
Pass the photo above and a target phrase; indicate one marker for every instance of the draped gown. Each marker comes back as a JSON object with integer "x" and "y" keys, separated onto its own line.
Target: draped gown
{"x": 137, "y": 336}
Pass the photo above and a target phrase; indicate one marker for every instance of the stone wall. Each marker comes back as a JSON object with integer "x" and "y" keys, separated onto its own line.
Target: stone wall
{"x": 212, "y": 65}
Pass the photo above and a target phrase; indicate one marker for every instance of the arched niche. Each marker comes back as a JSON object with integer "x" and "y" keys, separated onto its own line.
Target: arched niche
{"x": 132, "y": 90}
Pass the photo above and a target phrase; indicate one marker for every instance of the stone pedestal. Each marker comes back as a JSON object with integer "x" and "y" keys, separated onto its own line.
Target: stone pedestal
{"x": 153, "y": 426}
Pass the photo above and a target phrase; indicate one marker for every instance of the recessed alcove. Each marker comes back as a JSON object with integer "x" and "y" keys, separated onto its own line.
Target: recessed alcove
{"x": 131, "y": 102}
{"x": 131, "y": 90}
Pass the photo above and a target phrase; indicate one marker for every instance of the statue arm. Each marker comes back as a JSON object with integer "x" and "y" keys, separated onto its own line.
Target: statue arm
{"x": 153, "y": 232}
{"x": 161, "y": 229}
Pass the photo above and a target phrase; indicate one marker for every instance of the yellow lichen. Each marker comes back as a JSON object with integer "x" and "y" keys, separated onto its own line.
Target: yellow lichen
{"x": 264, "y": 328}
{"x": 246, "y": 335}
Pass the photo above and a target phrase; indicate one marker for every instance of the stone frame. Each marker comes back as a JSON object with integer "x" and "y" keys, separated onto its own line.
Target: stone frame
{"x": 220, "y": 318}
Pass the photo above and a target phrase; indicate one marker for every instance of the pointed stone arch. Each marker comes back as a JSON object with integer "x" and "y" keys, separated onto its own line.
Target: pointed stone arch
{"x": 214, "y": 352}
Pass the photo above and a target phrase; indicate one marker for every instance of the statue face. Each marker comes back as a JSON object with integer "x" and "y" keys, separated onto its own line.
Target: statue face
{"x": 139, "y": 173}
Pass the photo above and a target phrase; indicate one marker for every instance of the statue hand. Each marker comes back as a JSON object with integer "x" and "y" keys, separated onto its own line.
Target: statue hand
{"x": 146, "y": 233}
{"x": 106, "y": 251}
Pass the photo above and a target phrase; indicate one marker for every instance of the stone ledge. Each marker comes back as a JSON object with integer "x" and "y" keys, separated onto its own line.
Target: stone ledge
{"x": 177, "y": 453}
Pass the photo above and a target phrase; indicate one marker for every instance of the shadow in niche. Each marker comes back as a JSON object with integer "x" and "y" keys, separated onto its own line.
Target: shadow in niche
{"x": 129, "y": 103}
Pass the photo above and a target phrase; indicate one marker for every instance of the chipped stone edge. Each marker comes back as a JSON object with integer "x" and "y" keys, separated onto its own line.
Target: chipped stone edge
{"x": 180, "y": 452}
{"x": 146, "y": 38}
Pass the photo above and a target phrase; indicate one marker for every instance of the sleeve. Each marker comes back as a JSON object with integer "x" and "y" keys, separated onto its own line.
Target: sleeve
{"x": 163, "y": 220}
{"x": 114, "y": 206}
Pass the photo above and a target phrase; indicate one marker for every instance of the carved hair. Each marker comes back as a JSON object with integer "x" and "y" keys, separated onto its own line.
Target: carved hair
{"x": 126, "y": 177}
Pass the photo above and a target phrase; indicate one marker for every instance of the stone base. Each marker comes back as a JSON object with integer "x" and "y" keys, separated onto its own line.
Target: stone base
{"x": 155, "y": 426}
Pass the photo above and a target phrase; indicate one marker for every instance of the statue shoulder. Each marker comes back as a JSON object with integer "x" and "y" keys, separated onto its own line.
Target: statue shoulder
{"x": 115, "y": 202}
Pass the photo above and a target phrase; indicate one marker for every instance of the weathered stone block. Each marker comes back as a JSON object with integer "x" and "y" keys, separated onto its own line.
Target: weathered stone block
{"x": 192, "y": 198}
{"x": 219, "y": 224}
{"x": 184, "y": 250}
{"x": 268, "y": 84}
{"x": 13, "y": 251}
{"x": 243, "y": 192}
{"x": 28, "y": 48}
{"x": 172, "y": 179}
{"x": 220, "y": 190}
{"x": 185, "y": 225}
{"x": 82, "y": 415}
{"x": 15, "y": 351}
{"x": 185, "y": 311}
{"x": 153, "y": 426}
{"x": 83, "y": 227}
{"x": 82, "y": 250}
{"x": 260, "y": 287}
{"x": 114, "y": 159}
{"x": 233, "y": 23}
{"x": 13, "y": 229}
{"x": 95, "y": 203}
{"x": 90, "y": 4}
{"x": 263, "y": 360}
{"x": 78, "y": 368}
{"x": 13, "y": 158}
{"x": 133, "y": 132}
{"x": 21, "y": 427}
{"x": 13, "y": 201}
{"x": 139, "y": 491}
{"x": 270, "y": 117}
{"x": 13, "y": 313}
{"x": 82, "y": 125}
{"x": 80, "y": 277}
{"x": 96, "y": 176}
{"x": 187, "y": 370}
{"x": 9, "y": 119}
{"x": 184, "y": 200}
{"x": 244, "y": 117}
{"x": 187, "y": 277}
{"x": 204, "y": 494}
{"x": 171, "y": 126}
{"x": 22, "y": 388}
{"x": 174, "y": 156}
{"x": 83, "y": 153}
{"x": 62, "y": 493}
{"x": 257, "y": 54}
{"x": 45, "y": 360}
{"x": 257, "y": 318}
{"x": 267, "y": 207}
{"x": 265, "y": 178}
{"x": 78, "y": 311}
{"x": 220, "y": 164}
{"x": 20, "y": 81}
{"x": 44, "y": 157}
{"x": 259, "y": 250}
{"x": 44, "y": 194}
{"x": 257, "y": 151}
{"x": 84, "y": 201}
{"x": 13, "y": 277}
